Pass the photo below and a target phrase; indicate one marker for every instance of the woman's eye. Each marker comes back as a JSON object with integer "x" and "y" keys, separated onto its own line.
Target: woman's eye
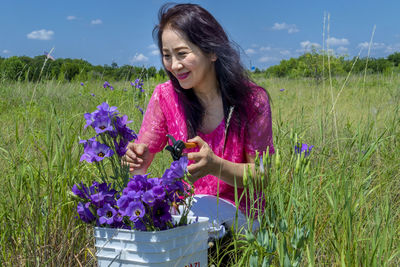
{"x": 181, "y": 54}
{"x": 166, "y": 56}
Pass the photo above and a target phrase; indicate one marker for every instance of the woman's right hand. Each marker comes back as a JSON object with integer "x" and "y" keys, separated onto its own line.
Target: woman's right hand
{"x": 138, "y": 158}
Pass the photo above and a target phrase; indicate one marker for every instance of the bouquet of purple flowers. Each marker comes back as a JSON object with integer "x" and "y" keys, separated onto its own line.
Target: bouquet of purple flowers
{"x": 137, "y": 202}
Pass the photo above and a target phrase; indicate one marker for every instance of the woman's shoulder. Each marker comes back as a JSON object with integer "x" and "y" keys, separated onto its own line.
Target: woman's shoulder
{"x": 258, "y": 96}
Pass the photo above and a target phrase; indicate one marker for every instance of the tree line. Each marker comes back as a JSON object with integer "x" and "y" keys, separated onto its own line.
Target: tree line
{"x": 311, "y": 64}
{"x": 317, "y": 65}
{"x": 65, "y": 69}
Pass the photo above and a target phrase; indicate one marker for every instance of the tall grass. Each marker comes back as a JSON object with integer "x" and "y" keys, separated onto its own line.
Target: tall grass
{"x": 335, "y": 207}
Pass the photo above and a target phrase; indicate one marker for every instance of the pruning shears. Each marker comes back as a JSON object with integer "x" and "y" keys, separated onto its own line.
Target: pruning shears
{"x": 177, "y": 147}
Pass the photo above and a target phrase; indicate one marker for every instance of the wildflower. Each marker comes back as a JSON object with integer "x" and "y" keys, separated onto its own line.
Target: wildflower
{"x": 107, "y": 214}
{"x": 135, "y": 211}
{"x": 92, "y": 94}
{"x": 138, "y": 84}
{"x": 304, "y": 148}
{"x": 84, "y": 212}
{"x": 283, "y": 89}
{"x": 148, "y": 198}
{"x": 140, "y": 109}
{"x": 108, "y": 85}
{"x": 95, "y": 151}
{"x": 82, "y": 84}
{"x": 161, "y": 214}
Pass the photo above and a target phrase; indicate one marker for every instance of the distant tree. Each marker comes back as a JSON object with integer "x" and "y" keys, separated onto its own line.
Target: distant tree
{"x": 394, "y": 58}
{"x": 12, "y": 68}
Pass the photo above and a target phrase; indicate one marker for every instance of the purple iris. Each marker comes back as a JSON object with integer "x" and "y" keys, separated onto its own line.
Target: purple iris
{"x": 84, "y": 212}
{"x": 95, "y": 151}
{"x": 304, "y": 148}
{"x": 135, "y": 211}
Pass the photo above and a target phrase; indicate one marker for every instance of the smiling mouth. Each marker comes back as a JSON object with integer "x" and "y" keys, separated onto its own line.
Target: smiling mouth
{"x": 182, "y": 76}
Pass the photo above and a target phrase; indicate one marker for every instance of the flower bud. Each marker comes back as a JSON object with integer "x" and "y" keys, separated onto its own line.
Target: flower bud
{"x": 277, "y": 159}
{"x": 245, "y": 177}
{"x": 297, "y": 168}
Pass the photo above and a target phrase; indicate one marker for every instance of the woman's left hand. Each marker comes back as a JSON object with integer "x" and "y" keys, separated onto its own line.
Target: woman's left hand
{"x": 205, "y": 161}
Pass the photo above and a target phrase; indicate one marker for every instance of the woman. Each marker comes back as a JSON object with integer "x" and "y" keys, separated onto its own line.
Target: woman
{"x": 209, "y": 101}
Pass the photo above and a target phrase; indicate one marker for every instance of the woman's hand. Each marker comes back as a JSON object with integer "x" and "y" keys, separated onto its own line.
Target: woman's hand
{"x": 205, "y": 161}
{"x": 138, "y": 158}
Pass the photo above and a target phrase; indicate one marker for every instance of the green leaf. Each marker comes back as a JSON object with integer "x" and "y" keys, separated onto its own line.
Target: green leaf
{"x": 253, "y": 260}
{"x": 283, "y": 225}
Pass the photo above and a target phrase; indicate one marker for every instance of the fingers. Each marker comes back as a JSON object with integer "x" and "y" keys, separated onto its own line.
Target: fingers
{"x": 198, "y": 140}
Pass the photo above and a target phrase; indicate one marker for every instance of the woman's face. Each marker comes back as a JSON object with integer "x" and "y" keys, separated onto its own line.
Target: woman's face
{"x": 191, "y": 67}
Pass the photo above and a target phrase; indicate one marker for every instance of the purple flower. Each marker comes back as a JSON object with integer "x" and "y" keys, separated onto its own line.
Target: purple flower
{"x": 106, "y": 85}
{"x": 103, "y": 111}
{"x": 102, "y": 124}
{"x": 92, "y": 94}
{"x": 149, "y": 198}
{"x": 304, "y": 148}
{"x": 84, "y": 212}
{"x": 95, "y": 151}
{"x": 124, "y": 131}
{"x": 158, "y": 192}
{"x": 138, "y": 84}
{"x": 140, "y": 109}
{"x": 82, "y": 84}
{"x": 161, "y": 214}
{"x": 282, "y": 90}
{"x": 135, "y": 211}
{"x": 106, "y": 214}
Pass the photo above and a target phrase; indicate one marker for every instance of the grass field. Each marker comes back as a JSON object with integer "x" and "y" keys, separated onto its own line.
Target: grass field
{"x": 337, "y": 207}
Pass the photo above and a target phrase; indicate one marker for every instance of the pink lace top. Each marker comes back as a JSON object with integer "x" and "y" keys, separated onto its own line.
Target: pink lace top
{"x": 164, "y": 115}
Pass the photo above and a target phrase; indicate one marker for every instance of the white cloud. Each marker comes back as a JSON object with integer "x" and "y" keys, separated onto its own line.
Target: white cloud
{"x": 365, "y": 45}
{"x": 307, "y": 45}
{"x": 392, "y": 48}
{"x": 250, "y": 51}
{"x": 291, "y": 28}
{"x": 96, "y": 21}
{"x": 267, "y": 59}
{"x": 332, "y": 41}
{"x": 342, "y": 50}
{"x": 40, "y": 35}
{"x": 265, "y": 48}
{"x": 139, "y": 58}
{"x": 71, "y": 18}
{"x": 5, "y": 51}
{"x": 154, "y": 50}
{"x": 284, "y": 52}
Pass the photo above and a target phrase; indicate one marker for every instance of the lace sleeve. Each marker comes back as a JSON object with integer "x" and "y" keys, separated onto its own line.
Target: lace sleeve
{"x": 154, "y": 126}
{"x": 258, "y": 132}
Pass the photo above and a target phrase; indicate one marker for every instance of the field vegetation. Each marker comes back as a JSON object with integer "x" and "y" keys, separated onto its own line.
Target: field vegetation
{"x": 339, "y": 206}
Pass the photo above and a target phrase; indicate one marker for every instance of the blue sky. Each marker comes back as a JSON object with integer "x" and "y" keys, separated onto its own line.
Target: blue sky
{"x": 103, "y": 32}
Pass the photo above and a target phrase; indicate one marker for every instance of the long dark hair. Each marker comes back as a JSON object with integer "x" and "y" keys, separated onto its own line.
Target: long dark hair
{"x": 204, "y": 31}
